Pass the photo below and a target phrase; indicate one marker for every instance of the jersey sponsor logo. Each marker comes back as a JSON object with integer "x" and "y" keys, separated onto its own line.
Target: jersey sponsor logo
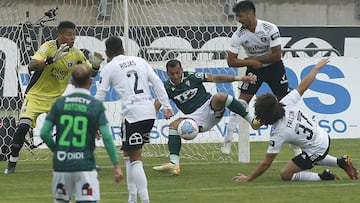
{"x": 275, "y": 36}
{"x": 58, "y": 73}
{"x": 62, "y": 155}
{"x": 187, "y": 95}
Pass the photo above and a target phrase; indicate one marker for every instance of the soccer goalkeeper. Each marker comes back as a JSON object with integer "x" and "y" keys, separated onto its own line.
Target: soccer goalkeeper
{"x": 52, "y": 65}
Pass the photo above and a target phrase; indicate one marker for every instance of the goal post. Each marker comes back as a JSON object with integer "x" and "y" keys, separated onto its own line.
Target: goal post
{"x": 195, "y": 32}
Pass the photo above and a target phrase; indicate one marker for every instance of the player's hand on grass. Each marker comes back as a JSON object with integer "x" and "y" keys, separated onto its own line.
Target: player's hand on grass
{"x": 96, "y": 59}
{"x": 240, "y": 178}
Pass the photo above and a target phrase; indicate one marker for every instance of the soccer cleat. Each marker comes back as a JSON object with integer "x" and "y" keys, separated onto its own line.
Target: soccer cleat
{"x": 255, "y": 124}
{"x": 9, "y": 170}
{"x": 168, "y": 168}
{"x": 329, "y": 175}
{"x": 226, "y": 148}
{"x": 98, "y": 168}
{"x": 346, "y": 164}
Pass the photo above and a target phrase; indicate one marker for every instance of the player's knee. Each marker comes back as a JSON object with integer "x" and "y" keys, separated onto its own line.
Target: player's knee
{"x": 286, "y": 175}
{"x": 221, "y": 97}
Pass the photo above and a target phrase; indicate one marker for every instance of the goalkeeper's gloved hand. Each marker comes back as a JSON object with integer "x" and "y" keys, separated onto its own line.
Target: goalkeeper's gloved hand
{"x": 62, "y": 51}
{"x": 95, "y": 59}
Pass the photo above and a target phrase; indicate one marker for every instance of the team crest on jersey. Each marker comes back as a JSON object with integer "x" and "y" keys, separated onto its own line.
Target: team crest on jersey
{"x": 199, "y": 75}
{"x": 70, "y": 64}
{"x": 60, "y": 189}
{"x": 264, "y": 39}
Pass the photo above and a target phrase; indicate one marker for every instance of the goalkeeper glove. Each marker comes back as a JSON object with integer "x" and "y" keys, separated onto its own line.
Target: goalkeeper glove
{"x": 62, "y": 51}
{"x": 95, "y": 59}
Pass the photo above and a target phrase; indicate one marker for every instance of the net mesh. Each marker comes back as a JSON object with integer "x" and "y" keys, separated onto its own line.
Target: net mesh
{"x": 195, "y": 32}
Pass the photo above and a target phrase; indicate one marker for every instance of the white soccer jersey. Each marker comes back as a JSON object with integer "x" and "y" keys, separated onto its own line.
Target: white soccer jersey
{"x": 131, "y": 78}
{"x": 298, "y": 129}
{"x": 259, "y": 43}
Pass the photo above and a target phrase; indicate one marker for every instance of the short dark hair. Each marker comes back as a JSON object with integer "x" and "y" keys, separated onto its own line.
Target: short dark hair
{"x": 81, "y": 74}
{"x": 173, "y": 63}
{"x": 244, "y": 6}
{"x": 65, "y": 25}
{"x": 268, "y": 110}
{"x": 114, "y": 45}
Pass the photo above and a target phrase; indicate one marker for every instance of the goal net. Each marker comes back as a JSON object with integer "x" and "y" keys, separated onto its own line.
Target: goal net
{"x": 195, "y": 32}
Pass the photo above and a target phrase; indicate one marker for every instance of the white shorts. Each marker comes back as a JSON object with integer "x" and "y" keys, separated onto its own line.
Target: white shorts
{"x": 84, "y": 184}
{"x": 205, "y": 116}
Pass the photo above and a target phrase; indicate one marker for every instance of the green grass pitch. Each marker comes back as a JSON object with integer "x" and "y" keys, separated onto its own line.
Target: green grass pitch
{"x": 200, "y": 181}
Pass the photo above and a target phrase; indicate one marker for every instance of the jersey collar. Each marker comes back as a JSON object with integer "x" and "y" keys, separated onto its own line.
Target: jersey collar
{"x": 81, "y": 90}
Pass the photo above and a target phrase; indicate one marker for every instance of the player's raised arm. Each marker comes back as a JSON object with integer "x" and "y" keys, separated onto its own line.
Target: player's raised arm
{"x": 309, "y": 78}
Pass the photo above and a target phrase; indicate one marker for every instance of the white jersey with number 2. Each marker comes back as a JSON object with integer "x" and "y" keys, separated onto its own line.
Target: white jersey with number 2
{"x": 131, "y": 77}
{"x": 298, "y": 129}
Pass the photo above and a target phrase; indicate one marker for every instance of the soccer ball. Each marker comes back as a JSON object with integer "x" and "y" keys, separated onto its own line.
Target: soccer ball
{"x": 188, "y": 129}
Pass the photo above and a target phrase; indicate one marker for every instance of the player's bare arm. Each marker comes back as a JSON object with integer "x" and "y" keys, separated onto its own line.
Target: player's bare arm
{"x": 36, "y": 65}
{"x": 275, "y": 56}
{"x": 309, "y": 78}
{"x": 230, "y": 78}
{"x": 233, "y": 61}
{"x": 259, "y": 170}
{"x": 168, "y": 112}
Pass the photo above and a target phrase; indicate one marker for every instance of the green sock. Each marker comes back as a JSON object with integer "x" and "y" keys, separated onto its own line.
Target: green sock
{"x": 235, "y": 106}
{"x": 174, "y": 144}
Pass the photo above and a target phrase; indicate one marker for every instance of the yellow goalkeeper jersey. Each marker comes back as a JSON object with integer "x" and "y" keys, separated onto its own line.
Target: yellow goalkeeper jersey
{"x": 50, "y": 83}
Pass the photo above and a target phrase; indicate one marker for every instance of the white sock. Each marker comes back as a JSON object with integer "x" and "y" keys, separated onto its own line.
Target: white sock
{"x": 140, "y": 180}
{"x": 249, "y": 117}
{"x": 328, "y": 161}
{"x": 305, "y": 176}
{"x": 175, "y": 159}
{"x": 130, "y": 181}
{"x": 13, "y": 159}
{"x": 233, "y": 122}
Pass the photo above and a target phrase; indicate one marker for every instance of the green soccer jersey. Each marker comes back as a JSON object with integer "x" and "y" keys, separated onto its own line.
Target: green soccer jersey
{"x": 76, "y": 118}
{"x": 190, "y": 94}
